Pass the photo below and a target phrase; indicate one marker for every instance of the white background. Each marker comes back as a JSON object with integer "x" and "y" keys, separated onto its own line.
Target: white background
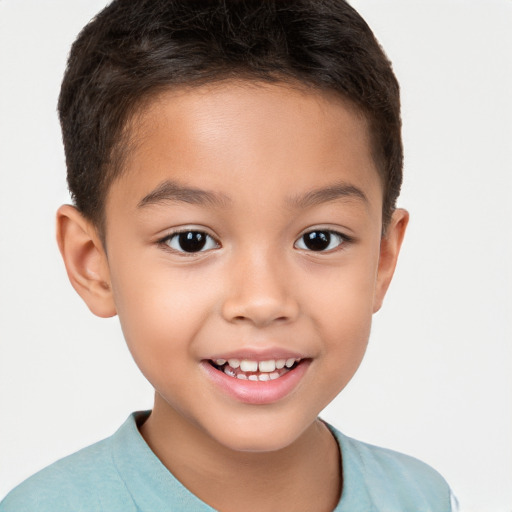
{"x": 437, "y": 380}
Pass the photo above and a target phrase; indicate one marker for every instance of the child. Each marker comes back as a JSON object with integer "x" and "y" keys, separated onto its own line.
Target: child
{"x": 234, "y": 168}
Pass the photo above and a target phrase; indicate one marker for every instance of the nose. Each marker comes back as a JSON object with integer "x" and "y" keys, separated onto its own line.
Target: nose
{"x": 259, "y": 292}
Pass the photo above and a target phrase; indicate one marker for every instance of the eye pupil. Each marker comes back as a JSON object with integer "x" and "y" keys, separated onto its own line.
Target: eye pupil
{"x": 317, "y": 240}
{"x": 192, "y": 241}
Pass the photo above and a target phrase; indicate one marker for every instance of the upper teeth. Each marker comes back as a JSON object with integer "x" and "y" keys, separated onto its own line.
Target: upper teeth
{"x": 249, "y": 365}
{"x": 267, "y": 366}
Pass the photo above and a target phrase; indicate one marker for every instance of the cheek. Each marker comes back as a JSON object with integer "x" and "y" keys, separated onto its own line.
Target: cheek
{"x": 160, "y": 313}
{"x": 341, "y": 308}
{"x": 346, "y": 332}
{"x": 342, "y": 297}
{"x": 345, "y": 338}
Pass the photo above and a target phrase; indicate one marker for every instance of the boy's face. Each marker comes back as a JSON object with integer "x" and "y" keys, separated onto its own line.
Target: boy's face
{"x": 278, "y": 202}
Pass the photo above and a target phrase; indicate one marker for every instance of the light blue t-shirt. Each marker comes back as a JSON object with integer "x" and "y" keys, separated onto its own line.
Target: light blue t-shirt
{"x": 122, "y": 474}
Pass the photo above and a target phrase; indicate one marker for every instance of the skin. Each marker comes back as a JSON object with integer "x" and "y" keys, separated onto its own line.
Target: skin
{"x": 259, "y": 149}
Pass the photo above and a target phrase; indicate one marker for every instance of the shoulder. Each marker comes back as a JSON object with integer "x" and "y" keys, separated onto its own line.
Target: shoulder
{"x": 393, "y": 478}
{"x": 392, "y": 464}
{"x": 73, "y": 483}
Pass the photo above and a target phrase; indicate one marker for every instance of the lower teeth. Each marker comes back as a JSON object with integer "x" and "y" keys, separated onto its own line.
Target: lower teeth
{"x": 229, "y": 371}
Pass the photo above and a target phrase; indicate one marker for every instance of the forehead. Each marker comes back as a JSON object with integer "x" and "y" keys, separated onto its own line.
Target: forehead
{"x": 234, "y": 136}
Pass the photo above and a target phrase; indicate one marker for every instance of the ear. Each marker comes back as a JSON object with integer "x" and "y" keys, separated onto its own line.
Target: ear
{"x": 389, "y": 249}
{"x": 85, "y": 260}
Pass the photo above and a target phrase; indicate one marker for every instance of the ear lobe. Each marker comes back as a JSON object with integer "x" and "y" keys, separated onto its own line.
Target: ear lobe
{"x": 85, "y": 260}
{"x": 389, "y": 250}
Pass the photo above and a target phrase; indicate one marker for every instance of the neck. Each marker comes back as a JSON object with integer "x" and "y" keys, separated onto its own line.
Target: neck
{"x": 303, "y": 476}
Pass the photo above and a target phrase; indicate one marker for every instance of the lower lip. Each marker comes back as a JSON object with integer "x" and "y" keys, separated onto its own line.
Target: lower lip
{"x": 257, "y": 392}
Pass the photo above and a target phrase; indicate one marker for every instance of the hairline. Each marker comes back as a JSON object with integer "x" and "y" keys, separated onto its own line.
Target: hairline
{"x": 130, "y": 132}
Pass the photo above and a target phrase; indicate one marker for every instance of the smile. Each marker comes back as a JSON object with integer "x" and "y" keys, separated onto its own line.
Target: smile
{"x": 256, "y": 382}
{"x": 247, "y": 369}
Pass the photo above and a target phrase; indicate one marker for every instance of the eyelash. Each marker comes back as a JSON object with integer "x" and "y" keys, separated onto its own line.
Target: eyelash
{"x": 342, "y": 239}
{"x": 208, "y": 239}
{"x": 166, "y": 241}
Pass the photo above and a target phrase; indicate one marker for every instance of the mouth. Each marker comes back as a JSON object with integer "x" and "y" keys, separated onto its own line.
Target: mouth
{"x": 262, "y": 371}
{"x": 254, "y": 381}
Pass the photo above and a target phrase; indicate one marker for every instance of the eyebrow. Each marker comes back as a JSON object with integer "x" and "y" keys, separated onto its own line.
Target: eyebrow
{"x": 175, "y": 192}
{"x": 326, "y": 194}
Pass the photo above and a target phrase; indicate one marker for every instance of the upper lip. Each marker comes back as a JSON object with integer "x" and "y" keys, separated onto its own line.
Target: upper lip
{"x": 259, "y": 354}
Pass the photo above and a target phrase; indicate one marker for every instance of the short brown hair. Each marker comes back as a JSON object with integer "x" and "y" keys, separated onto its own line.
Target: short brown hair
{"x": 135, "y": 48}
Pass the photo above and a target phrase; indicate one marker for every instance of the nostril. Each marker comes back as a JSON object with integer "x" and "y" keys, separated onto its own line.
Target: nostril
{"x": 259, "y": 310}
{"x": 255, "y": 319}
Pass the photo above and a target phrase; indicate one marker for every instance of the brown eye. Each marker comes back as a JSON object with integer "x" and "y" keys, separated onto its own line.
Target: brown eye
{"x": 320, "y": 240}
{"x": 191, "y": 241}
